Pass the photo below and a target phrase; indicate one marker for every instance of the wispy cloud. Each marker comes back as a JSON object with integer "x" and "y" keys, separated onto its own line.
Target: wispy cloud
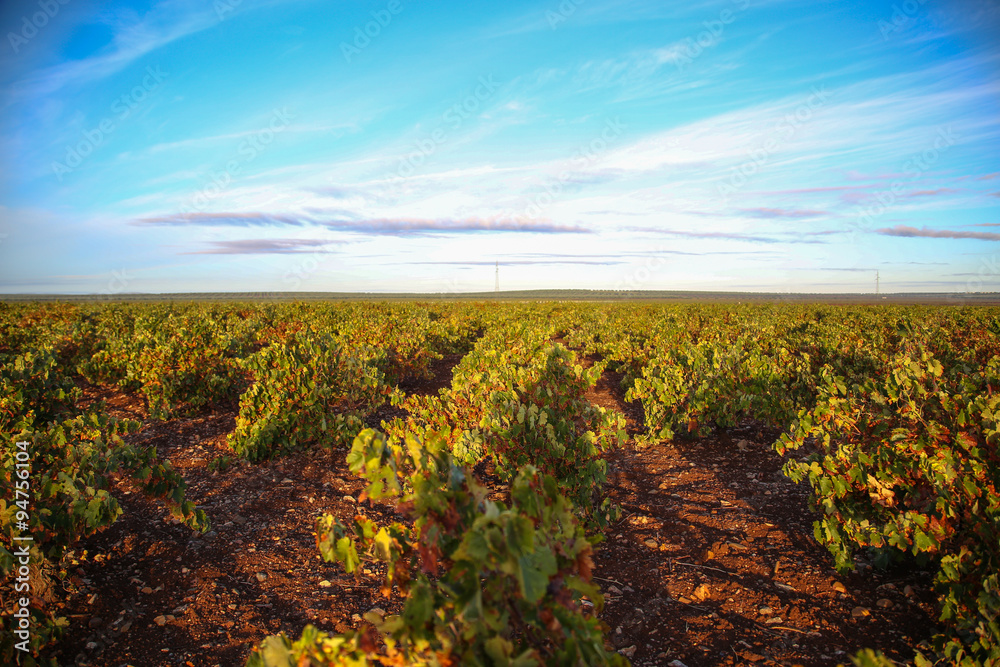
{"x": 342, "y": 191}
{"x": 318, "y": 212}
{"x": 265, "y": 247}
{"x": 201, "y": 142}
{"x": 526, "y": 262}
{"x": 771, "y": 213}
{"x": 349, "y": 222}
{"x": 730, "y": 236}
{"x": 913, "y": 232}
{"x": 819, "y": 190}
{"x": 848, "y": 269}
{"x": 395, "y": 227}
{"x": 251, "y": 219}
{"x": 891, "y": 117}
{"x": 631, "y": 69}
{"x": 918, "y": 263}
{"x": 931, "y": 193}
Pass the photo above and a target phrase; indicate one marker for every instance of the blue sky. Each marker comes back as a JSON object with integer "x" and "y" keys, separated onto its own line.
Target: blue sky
{"x": 298, "y": 145}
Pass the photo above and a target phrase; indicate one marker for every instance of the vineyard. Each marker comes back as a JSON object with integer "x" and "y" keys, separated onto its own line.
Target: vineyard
{"x": 279, "y": 484}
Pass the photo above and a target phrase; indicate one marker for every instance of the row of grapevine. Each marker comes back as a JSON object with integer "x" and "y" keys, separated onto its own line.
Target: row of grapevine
{"x": 896, "y": 410}
{"x": 907, "y": 461}
{"x": 301, "y": 374}
{"x": 483, "y": 582}
{"x": 518, "y": 398}
{"x": 320, "y": 376}
{"x": 59, "y": 463}
{"x": 307, "y": 390}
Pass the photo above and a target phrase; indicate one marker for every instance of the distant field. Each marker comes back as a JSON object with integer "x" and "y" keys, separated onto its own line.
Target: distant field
{"x": 929, "y": 298}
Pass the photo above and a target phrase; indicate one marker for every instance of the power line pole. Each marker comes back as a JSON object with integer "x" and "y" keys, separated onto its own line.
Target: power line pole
{"x": 496, "y": 287}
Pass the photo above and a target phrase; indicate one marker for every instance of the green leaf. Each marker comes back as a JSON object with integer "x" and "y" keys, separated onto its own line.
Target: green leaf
{"x": 923, "y": 542}
{"x": 534, "y": 570}
{"x": 474, "y": 547}
{"x": 419, "y": 607}
{"x": 346, "y": 553}
{"x": 520, "y": 534}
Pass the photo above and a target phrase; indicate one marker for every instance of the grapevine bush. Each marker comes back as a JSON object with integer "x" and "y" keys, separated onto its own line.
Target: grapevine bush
{"x": 483, "y": 583}
{"x": 72, "y": 465}
{"x": 307, "y": 390}
{"x": 517, "y": 399}
{"x": 910, "y": 462}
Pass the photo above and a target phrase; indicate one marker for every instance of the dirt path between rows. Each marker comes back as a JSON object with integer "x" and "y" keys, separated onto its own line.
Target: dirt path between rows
{"x": 148, "y": 591}
{"x": 711, "y": 563}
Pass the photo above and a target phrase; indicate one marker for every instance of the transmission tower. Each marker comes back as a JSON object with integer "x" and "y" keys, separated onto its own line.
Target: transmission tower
{"x": 496, "y": 287}
{"x": 876, "y": 283}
